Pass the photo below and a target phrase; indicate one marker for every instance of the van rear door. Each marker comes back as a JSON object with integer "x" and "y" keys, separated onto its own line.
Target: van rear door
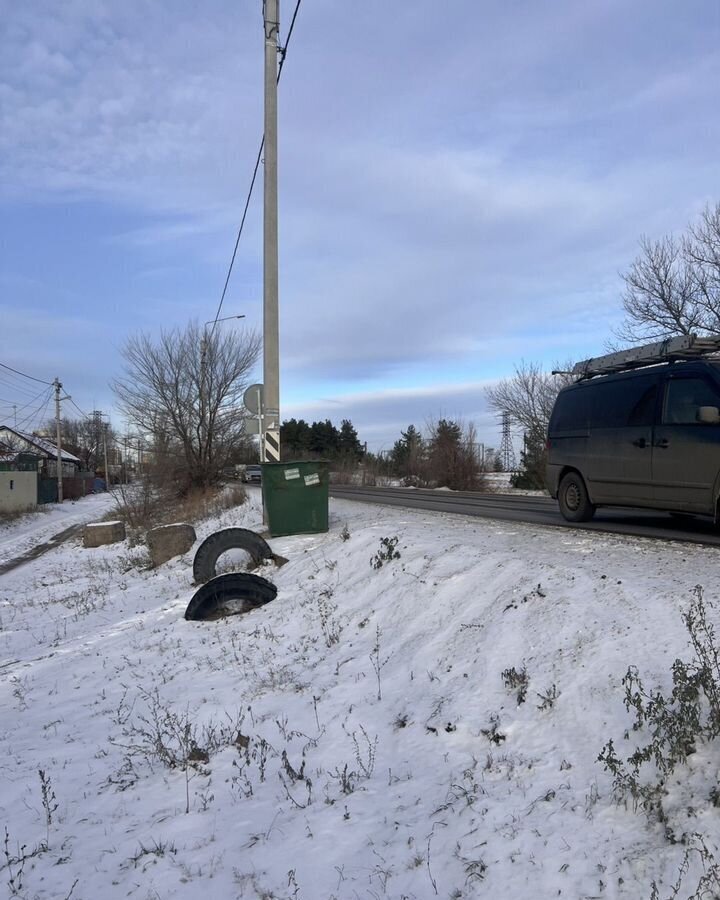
{"x": 686, "y": 452}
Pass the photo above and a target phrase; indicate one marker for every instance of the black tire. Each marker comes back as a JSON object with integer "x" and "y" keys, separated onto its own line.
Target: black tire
{"x": 215, "y": 598}
{"x": 575, "y": 505}
{"x": 212, "y": 549}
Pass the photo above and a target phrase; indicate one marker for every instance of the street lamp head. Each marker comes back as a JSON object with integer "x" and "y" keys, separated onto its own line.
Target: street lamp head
{"x": 224, "y": 319}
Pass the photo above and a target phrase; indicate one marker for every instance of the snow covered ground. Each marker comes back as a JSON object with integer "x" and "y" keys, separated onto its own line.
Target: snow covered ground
{"x": 20, "y": 535}
{"x": 356, "y": 737}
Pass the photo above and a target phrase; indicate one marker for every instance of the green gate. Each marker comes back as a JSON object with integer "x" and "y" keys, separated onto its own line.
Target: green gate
{"x": 47, "y": 490}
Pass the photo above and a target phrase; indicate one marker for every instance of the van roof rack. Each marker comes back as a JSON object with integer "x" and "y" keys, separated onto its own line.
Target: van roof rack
{"x": 687, "y": 346}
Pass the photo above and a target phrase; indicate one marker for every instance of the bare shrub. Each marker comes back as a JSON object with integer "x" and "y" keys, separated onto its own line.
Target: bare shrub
{"x": 674, "y": 726}
{"x": 387, "y": 553}
{"x": 517, "y": 680}
{"x": 161, "y": 734}
{"x": 12, "y": 515}
{"x": 709, "y": 884}
{"x": 145, "y": 503}
{"x": 344, "y": 470}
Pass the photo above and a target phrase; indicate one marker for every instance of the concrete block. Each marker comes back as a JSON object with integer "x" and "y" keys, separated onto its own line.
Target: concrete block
{"x": 97, "y": 534}
{"x": 167, "y": 541}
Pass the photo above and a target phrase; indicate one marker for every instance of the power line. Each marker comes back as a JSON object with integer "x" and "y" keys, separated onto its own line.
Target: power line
{"x": 34, "y": 415}
{"x": 283, "y": 54}
{"x": 47, "y": 403}
{"x": 83, "y": 414}
{"x": 18, "y": 409}
{"x": 25, "y": 388}
{"x": 31, "y": 377}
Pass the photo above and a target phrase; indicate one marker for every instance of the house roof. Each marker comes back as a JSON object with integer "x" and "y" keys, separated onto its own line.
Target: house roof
{"x": 45, "y": 447}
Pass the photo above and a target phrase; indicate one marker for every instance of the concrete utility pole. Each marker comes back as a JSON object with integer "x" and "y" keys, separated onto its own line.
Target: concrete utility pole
{"x": 58, "y": 469}
{"x": 107, "y": 473}
{"x": 271, "y": 342}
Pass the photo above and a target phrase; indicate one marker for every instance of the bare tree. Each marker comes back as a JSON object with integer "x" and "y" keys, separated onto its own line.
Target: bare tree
{"x": 673, "y": 287}
{"x": 702, "y": 248}
{"x": 528, "y": 398}
{"x": 529, "y": 395}
{"x": 85, "y": 438}
{"x": 184, "y": 391}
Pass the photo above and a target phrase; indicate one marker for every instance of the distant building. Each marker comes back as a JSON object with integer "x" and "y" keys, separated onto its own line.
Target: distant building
{"x": 14, "y": 442}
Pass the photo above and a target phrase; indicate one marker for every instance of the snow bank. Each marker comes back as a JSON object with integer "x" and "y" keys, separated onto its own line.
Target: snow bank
{"x": 355, "y": 737}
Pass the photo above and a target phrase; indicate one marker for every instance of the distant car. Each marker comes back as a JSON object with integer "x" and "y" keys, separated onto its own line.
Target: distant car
{"x": 252, "y": 475}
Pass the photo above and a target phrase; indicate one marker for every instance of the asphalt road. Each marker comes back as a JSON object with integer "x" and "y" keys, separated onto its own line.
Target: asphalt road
{"x": 537, "y": 511}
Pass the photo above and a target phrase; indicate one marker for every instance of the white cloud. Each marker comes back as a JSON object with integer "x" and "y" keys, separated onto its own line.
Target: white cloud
{"x": 460, "y": 184}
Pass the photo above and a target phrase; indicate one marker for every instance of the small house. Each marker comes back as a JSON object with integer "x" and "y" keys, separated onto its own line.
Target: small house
{"x": 14, "y": 442}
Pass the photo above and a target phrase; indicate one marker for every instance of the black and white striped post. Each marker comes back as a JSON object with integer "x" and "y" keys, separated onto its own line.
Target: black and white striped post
{"x": 271, "y": 437}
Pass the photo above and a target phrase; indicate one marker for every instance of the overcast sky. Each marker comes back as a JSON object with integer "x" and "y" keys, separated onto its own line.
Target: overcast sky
{"x": 461, "y": 184}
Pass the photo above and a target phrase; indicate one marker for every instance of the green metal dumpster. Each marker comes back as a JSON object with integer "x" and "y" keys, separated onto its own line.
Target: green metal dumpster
{"x": 295, "y": 497}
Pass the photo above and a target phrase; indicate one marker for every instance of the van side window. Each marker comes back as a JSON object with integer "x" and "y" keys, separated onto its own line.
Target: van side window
{"x": 572, "y": 410}
{"x": 643, "y": 413}
{"x": 627, "y": 401}
{"x": 683, "y": 398}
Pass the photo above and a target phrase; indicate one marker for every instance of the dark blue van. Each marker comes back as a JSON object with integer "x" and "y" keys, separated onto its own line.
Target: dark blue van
{"x": 647, "y": 437}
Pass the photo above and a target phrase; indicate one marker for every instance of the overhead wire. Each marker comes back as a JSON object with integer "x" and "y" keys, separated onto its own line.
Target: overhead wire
{"x": 24, "y": 374}
{"x": 43, "y": 417}
{"x": 33, "y": 416}
{"x": 20, "y": 389}
{"x": 283, "y": 54}
{"x": 83, "y": 414}
{"x": 21, "y": 385}
{"x": 25, "y": 405}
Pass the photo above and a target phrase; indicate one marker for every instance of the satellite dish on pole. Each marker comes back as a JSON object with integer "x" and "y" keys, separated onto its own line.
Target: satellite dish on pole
{"x": 253, "y": 399}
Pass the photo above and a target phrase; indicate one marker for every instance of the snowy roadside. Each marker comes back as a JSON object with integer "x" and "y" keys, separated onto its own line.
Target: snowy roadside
{"x": 361, "y": 736}
{"x": 20, "y": 535}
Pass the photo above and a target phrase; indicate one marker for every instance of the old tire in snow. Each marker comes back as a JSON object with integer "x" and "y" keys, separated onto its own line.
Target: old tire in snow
{"x": 212, "y": 549}
{"x": 236, "y": 592}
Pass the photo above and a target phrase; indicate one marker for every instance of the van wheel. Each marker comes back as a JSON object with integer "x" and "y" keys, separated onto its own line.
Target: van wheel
{"x": 575, "y": 504}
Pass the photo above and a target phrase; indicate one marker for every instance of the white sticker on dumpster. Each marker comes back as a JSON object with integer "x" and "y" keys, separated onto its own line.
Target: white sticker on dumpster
{"x": 312, "y": 479}
{"x": 291, "y": 473}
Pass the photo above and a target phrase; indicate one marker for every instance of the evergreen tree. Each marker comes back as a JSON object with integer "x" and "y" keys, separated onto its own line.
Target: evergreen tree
{"x": 446, "y": 452}
{"x": 349, "y": 444}
{"x": 407, "y": 453}
{"x": 295, "y": 439}
{"x": 533, "y": 459}
{"x": 324, "y": 439}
